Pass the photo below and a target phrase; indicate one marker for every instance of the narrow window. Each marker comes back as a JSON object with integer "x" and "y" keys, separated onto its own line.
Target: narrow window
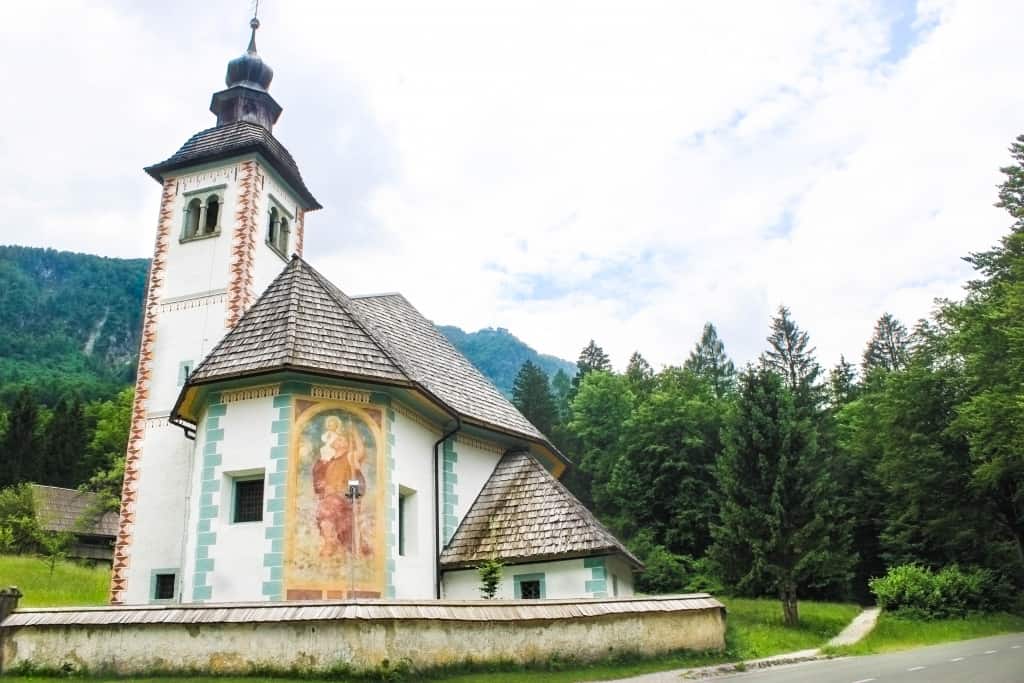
{"x": 615, "y": 586}
{"x": 212, "y": 215}
{"x": 163, "y": 586}
{"x": 248, "y": 500}
{"x": 282, "y": 237}
{"x": 184, "y": 372}
{"x": 272, "y": 225}
{"x": 406, "y": 521}
{"x": 192, "y": 211}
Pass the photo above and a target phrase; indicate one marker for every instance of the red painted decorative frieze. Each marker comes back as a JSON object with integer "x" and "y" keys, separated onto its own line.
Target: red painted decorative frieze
{"x": 133, "y": 456}
{"x": 243, "y": 243}
{"x": 300, "y": 229}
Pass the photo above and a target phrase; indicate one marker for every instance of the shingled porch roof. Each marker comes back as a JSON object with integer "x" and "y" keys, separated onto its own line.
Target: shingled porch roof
{"x": 523, "y": 514}
{"x": 302, "y": 322}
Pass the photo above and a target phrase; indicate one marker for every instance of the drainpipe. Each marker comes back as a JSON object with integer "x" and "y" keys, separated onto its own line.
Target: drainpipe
{"x": 437, "y": 505}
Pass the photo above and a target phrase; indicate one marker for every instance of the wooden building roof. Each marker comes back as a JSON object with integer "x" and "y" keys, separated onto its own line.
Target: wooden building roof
{"x": 523, "y": 514}
{"x": 60, "y": 509}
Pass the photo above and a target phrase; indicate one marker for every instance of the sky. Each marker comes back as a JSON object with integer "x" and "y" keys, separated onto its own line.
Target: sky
{"x": 622, "y": 171}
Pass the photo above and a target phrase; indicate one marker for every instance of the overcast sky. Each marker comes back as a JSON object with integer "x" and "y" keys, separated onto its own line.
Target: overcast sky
{"x": 618, "y": 170}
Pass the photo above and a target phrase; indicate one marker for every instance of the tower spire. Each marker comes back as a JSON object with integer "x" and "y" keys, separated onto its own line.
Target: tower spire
{"x": 248, "y": 79}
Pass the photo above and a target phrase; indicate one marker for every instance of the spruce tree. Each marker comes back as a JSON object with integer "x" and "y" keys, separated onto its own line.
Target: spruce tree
{"x": 791, "y": 356}
{"x": 64, "y": 446}
{"x": 708, "y": 360}
{"x": 531, "y": 394}
{"x": 592, "y": 359}
{"x": 888, "y": 347}
{"x": 780, "y": 529}
{"x": 20, "y": 446}
{"x": 561, "y": 388}
{"x": 842, "y": 383}
{"x": 640, "y": 374}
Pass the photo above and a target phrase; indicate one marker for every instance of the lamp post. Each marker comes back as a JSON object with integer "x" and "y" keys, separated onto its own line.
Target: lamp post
{"x": 353, "y": 494}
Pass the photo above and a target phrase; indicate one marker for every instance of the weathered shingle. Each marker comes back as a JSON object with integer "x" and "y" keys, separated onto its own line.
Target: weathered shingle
{"x": 60, "y": 509}
{"x": 300, "y": 322}
{"x": 525, "y": 514}
{"x": 230, "y": 140}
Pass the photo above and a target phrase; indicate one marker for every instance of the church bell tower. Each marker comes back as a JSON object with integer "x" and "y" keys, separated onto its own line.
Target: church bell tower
{"x": 232, "y": 211}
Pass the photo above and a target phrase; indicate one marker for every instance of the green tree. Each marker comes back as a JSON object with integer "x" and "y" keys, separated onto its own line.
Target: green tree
{"x": 592, "y": 359}
{"x": 531, "y": 394}
{"x": 490, "y": 577}
{"x": 664, "y": 481}
{"x": 888, "y": 347}
{"x": 106, "y": 449}
{"x": 780, "y": 529}
{"x": 791, "y": 356}
{"x": 599, "y": 412}
{"x": 561, "y": 388}
{"x": 64, "y": 445}
{"x": 709, "y": 360}
{"x": 640, "y": 374}
{"x": 842, "y": 383}
{"x": 988, "y": 335}
{"x": 20, "y": 446}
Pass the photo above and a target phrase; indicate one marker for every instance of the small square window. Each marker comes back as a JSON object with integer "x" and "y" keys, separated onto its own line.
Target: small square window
{"x": 529, "y": 590}
{"x": 163, "y": 586}
{"x": 248, "y": 501}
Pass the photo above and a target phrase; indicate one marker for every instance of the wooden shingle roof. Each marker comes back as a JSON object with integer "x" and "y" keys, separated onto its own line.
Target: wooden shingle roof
{"x": 523, "y": 514}
{"x": 60, "y": 509}
{"x": 302, "y": 322}
{"x": 233, "y": 139}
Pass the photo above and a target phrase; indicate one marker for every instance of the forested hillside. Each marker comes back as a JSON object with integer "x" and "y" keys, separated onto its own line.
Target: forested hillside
{"x": 499, "y": 354}
{"x": 68, "y": 322}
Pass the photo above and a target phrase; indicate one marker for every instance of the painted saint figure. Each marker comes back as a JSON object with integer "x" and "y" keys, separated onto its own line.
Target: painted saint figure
{"x": 341, "y": 460}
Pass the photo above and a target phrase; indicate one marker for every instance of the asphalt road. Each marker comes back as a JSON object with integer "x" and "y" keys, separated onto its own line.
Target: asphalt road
{"x": 987, "y": 660}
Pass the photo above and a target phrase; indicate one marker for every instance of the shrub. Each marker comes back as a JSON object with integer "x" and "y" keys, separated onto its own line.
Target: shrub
{"x": 918, "y": 591}
{"x": 19, "y": 528}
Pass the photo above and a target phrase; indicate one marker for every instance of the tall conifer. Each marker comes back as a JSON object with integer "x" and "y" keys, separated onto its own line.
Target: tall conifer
{"x": 708, "y": 360}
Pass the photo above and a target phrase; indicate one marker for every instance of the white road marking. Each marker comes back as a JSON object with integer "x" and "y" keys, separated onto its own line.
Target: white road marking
{"x": 991, "y": 652}
{"x": 1015, "y": 647}
{"x": 957, "y": 659}
{"x": 915, "y": 668}
{"x": 866, "y": 680}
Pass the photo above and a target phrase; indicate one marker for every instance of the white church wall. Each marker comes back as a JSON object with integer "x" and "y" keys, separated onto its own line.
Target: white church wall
{"x": 160, "y": 507}
{"x": 270, "y": 262}
{"x": 620, "y": 577}
{"x": 414, "y": 454}
{"x": 188, "y": 329}
{"x": 561, "y": 579}
{"x": 475, "y": 461}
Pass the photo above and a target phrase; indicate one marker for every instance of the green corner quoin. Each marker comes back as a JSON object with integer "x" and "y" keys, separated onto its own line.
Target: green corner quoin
{"x": 448, "y": 480}
{"x": 206, "y": 538}
{"x": 597, "y": 585}
{"x": 276, "y": 485}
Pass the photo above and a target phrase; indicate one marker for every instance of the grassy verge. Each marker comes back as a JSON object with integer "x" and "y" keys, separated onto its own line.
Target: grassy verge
{"x": 755, "y": 630}
{"x": 70, "y": 584}
{"x": 898, "y": 633}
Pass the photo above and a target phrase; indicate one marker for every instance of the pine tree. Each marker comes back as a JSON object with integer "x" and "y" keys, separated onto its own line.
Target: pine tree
{"x": 708, "y": 360}
{"x": 531, "y": 394}
{"x": 561, "y": 388}
{"x": 20, "y": 445}
{"x": 780, "y": 529}
{"x": 842, "y": 383}
{"x": 64, "y": 445}
{"x": 592, "y": 359}
{"x": 640, "y": 374}
{"x": 791, "y": 356}
{"x": 888, "y": 347}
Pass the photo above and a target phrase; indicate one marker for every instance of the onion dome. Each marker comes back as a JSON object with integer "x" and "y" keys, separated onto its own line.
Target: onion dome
{"x": 250, "y": 69}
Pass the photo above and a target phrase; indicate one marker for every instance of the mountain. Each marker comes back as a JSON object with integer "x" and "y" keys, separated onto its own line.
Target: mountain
{"x": 499, "y": 354}
{"x": 71, "y": 323}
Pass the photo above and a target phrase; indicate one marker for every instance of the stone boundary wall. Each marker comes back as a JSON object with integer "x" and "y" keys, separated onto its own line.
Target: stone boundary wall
{"x": 358, "y": 634}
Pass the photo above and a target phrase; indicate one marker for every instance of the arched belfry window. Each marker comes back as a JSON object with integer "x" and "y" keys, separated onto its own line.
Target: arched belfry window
{"x": 211, "y": 221}
{"x": 279, "y": 228}
{"x": 203, "y": 209}
{"x": 192, "y": 211}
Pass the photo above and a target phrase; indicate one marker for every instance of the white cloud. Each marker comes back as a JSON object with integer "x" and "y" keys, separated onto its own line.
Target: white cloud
{"x": 471, "y": 154}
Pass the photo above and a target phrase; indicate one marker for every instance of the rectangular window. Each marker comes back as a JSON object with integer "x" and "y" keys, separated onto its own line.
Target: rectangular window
{"x": 529, "y": 586}
{"x": 163, "y": 585}
{"x": 184, "y": 371}
{"x": 406, "y": 521}
{"x": 248, "y": 500}
{"x": 615, "y": 586}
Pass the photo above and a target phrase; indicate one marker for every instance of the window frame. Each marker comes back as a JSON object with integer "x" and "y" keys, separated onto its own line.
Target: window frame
{"x": 203, "y": 195}
{"x": 283, "y": 215}
{"x": 154, "y": 584}
{"x": 406, "y": 514}
{"x": 519, "y": 579}
{"x": 246, "y": 479}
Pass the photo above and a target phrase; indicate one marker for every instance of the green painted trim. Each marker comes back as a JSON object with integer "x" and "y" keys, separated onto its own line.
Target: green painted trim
{"x": 182, "y": 374}
{"x": 274, "y": 491}
{"x": 518, "y": 579}
{"x": 597, "y": 584}
{"x": 152, "y": 585}
{"x": 206, "y": 538}
{"x": 449, "y": 498}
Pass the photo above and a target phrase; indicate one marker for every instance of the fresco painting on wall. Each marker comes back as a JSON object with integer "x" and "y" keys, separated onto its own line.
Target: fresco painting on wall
{"x": 334, "y": 547}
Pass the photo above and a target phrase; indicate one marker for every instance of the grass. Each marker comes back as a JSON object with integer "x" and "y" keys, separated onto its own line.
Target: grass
{"x": 894, "y": 632}
{"x": 71, "y": 584}
{"x": 755, "y": 630}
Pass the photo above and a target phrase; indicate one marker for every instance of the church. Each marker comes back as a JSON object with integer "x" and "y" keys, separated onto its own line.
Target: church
{"x": 292, "y": 442}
